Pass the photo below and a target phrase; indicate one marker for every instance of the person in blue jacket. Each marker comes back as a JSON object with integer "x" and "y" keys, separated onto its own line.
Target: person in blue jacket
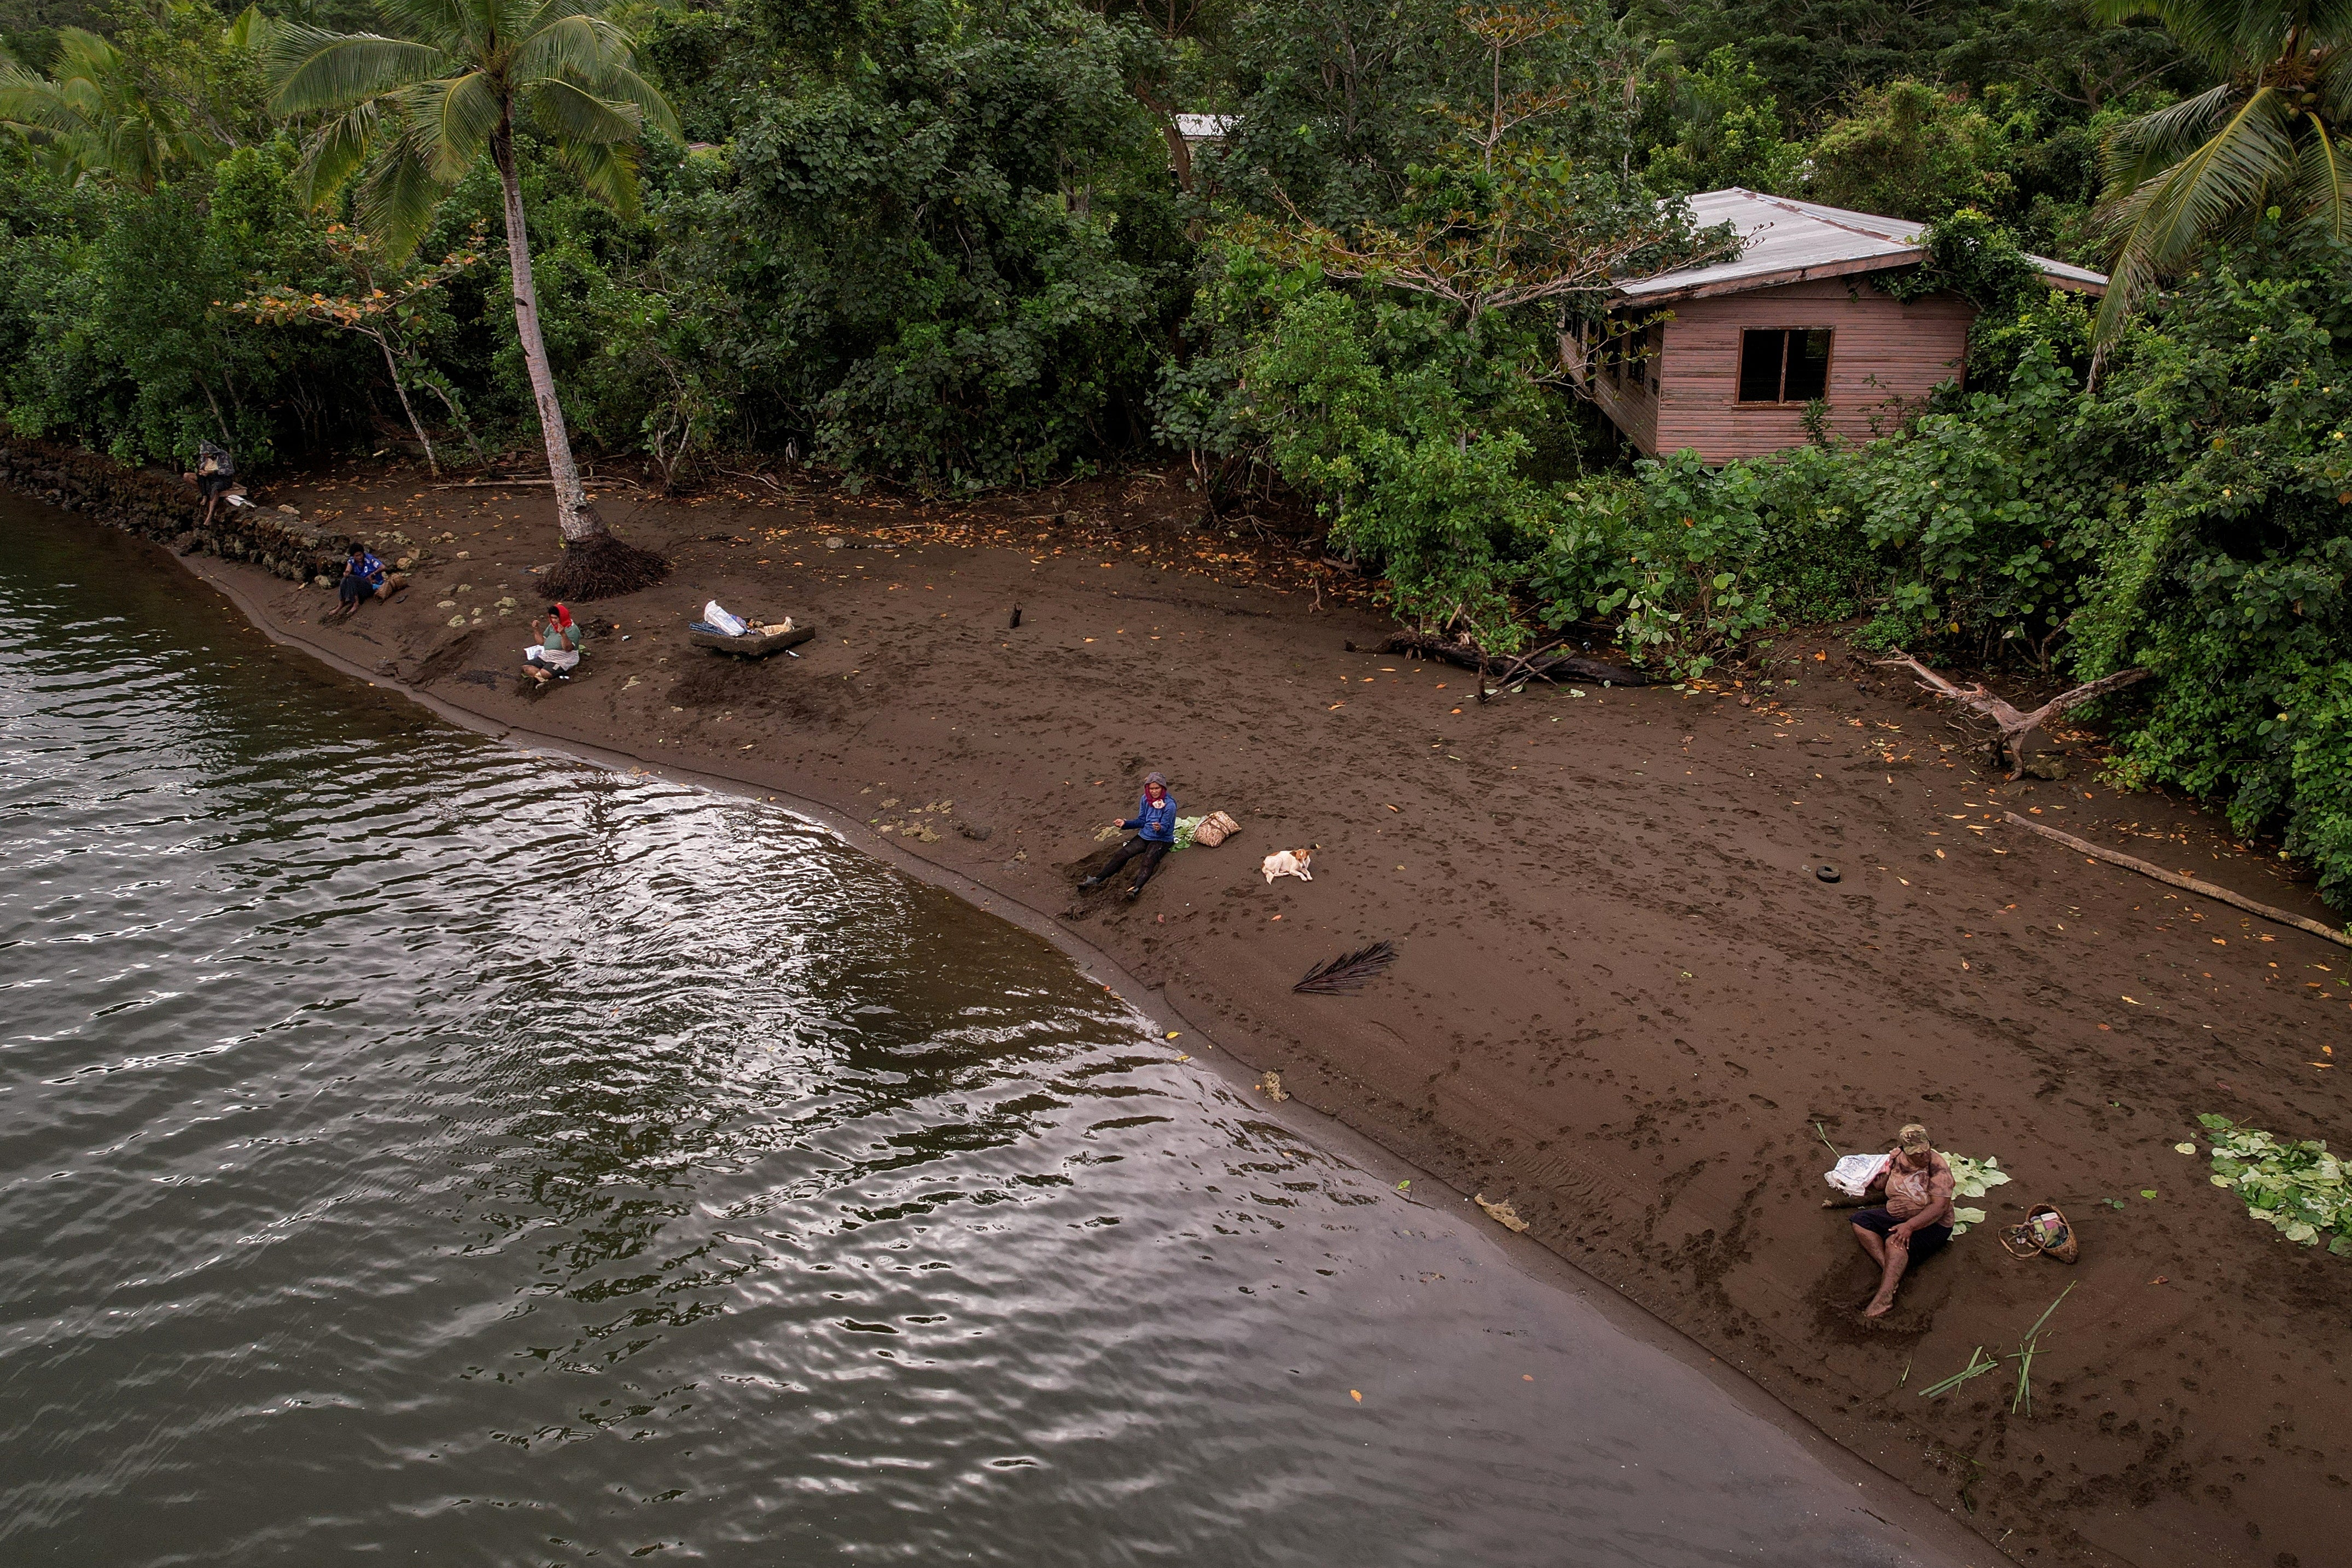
{"x": 365, "y": 577}
{"x": 1155, "y": 834}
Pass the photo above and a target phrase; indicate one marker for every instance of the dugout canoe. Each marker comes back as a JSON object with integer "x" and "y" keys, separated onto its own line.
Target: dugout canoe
{"x": 752, "y": 645}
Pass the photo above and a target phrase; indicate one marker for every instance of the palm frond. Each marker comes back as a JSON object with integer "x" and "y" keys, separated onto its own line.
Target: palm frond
{"x": 451, "y": 25}
{"x": 623, "y": 85}
{"x": 547, "y": 13}
{"x": 1349, "y": 971}
{"x": 2331, "y": 84}
{"x": 397, "y": 197}
{"x": 570, "y": 113}
{"x": 250, "y": 30}
{"x": 83, "y": 54}
{"x": 569, "y": 47}
{"x": 2245, "y": 157}
{"x": 337, "y": 150}
{"x": 2209, "y": 29}
{"x": 2153, "y": 226}
{"x": 2139, "y": 149}
{"x": 519, "y": 20}
{"x": 457, "y": 119}
{"x": 34, "y": 104}
{"x": 605, "y": 170}
{"x": 2320, "y": 192}
{"x": 317, "y": 69}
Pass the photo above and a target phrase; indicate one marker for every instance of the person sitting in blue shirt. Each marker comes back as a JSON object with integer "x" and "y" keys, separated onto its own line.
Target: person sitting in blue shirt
{"x": 1155, "y": 834}
{"x": 365, "y": 578}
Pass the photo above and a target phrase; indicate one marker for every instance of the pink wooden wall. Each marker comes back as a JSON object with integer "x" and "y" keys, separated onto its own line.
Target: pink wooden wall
{"x": 1887, "y": 356}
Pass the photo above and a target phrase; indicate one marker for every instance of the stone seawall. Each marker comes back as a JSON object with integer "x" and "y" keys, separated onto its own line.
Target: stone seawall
{"x": 166, "y": 508}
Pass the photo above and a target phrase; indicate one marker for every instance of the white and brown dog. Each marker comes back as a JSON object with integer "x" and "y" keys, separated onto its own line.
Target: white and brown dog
{"x": 1288, "y": 863}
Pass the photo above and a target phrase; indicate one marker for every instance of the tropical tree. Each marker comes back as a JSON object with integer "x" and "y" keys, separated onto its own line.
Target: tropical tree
{"x": 390, "y": 318}
{"x": 406, "y": 117}
{"x": 2267, "y": 135}
{"x": 94, "y": 116}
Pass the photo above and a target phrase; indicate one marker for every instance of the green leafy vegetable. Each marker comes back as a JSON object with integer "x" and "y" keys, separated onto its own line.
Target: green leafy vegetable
{"x": 2297, "y": 1187}
{"x": 1972, "y": 1179}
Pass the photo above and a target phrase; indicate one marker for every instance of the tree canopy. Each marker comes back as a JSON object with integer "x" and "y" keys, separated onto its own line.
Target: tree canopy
{"x": 1323, "y": 259}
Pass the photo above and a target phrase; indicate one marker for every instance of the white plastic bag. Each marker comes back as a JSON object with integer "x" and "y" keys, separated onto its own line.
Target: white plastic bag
{"x": 1854, "y": 1173}
{"x": 733, "y": 625}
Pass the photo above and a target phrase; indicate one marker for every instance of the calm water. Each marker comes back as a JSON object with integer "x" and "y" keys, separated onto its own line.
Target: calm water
{"x": 414, "y": 1146}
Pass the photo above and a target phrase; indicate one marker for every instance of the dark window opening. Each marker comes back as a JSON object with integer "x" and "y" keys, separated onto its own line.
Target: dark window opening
{"x": 1778, "y": 366}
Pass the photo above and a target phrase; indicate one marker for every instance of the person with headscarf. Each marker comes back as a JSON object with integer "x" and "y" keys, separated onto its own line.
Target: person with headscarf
{"x": 1155, "y": 834}
{"x": 557, "y": 652}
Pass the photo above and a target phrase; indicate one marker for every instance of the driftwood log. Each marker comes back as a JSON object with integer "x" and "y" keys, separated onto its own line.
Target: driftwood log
{"x": 2186, "y": 884}
{"x": 1538, "y": 666}
{"x": 2014, "y": 726}
{"x": 752, "y": 645}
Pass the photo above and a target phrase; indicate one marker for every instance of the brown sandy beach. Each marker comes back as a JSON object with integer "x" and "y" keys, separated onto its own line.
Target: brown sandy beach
{"x": 1625, "y": 1003}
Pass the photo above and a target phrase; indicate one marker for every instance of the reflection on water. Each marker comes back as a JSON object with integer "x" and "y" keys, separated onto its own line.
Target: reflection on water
{"x": 412, "y": 1145}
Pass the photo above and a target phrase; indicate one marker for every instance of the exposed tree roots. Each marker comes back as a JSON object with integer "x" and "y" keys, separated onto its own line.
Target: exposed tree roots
{"x": 602, "y": 567}
{"x": 1538, "y": 665}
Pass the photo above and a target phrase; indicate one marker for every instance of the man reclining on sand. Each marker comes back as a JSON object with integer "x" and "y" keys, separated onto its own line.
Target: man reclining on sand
{"x": 1914, "y": 1221}
{"x": 1155, "y": 834}
{"x": 364, "y": 578}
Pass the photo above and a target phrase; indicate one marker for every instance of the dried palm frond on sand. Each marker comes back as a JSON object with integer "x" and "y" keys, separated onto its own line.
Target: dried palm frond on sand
{"x": 1349, "y": 971}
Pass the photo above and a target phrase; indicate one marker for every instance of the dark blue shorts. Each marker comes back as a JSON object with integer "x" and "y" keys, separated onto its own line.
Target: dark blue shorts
{"x": 1926, "y": 1241}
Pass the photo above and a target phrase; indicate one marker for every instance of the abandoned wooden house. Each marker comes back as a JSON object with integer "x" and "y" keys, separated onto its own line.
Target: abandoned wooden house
{"x": 1727, "y": 359}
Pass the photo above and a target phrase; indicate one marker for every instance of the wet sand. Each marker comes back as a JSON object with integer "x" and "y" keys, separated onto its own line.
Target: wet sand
{"x": 1625, "y": 1004}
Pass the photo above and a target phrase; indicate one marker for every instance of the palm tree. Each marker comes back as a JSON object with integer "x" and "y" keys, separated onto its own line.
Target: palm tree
{"x": 2266, "y": 136}
{"x": 408, "y": 116}
{"x": 92, "y": 116}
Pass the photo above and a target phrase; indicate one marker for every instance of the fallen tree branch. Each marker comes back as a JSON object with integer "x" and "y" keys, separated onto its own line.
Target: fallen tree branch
{"x": 2014, "y": 726}
{"x": 505, "y": 483}
{"x": 757, "y": 478}
{"x": 2187, "y": 884}
{"x": 1561, "y": 667}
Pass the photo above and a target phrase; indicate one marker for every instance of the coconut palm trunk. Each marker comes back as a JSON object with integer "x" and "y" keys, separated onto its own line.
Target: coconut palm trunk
{"x": 403, "y": 117}
{"x": 575, "y": 514}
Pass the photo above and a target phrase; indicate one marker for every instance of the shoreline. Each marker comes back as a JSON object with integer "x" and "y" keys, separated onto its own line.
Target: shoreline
{"x": 1528, "y": 1258}
{"x": 1712, "y": 1010}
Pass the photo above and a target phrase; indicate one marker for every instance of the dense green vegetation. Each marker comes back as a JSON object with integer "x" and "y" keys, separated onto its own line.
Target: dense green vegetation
{"x": 959, "y": 248}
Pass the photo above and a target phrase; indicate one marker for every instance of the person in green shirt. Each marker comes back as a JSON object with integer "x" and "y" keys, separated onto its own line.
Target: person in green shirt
{"x": 557, "y": 652}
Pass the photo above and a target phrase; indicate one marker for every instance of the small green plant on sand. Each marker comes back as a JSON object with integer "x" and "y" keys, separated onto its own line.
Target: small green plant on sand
{"x": 1980, "y": 1363}
{"x": 2298, "y": 1187}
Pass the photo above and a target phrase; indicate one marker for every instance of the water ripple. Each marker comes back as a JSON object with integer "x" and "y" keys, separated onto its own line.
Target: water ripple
{"x": 412, "y": 1145}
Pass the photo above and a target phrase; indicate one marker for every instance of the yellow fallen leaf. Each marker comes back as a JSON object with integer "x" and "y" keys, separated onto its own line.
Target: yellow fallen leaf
{"x": 1502, "y": 1214}
{"x": 1357, "y": 1395}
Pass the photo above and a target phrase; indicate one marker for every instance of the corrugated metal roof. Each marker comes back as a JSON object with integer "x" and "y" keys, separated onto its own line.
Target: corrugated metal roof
{"x": 1787, "y": 241}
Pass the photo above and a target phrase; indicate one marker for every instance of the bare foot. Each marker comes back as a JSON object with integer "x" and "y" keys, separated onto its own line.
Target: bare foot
{"x": 1878, "y": 1309}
